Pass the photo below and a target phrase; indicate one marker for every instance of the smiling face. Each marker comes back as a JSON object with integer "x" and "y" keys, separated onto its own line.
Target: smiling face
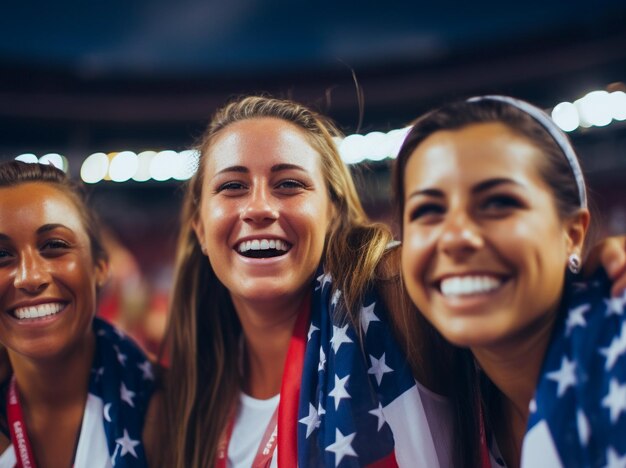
{"x": 484, "y": 249}
{"x": 47, "y": 273}
{"x": 264, "y": 210}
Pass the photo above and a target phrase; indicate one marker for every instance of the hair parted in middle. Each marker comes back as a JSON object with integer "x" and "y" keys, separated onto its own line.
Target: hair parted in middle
{"x": 204, "y": 332}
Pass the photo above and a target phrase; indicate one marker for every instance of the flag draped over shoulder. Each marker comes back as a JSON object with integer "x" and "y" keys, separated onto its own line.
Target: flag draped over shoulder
{"x": 359, "y": 403}
{"x": 122, "y": 381}
{"x": 578, "y": 415}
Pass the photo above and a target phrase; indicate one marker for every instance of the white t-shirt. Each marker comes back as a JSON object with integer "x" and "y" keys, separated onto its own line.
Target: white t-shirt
{"x": 92, "y": 450}
{"x": 251, "y": 421}
{"x": 430, "y": 435}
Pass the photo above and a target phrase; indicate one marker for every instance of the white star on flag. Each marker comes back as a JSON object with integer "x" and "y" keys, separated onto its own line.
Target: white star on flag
{"x": 127, "y": 395}
{"x": 565, "y": 376}
{"x": 311, "y": 421}
{"x": 368, "y": 316}
{"x": 584, "y": 430}
{"x": 312, "y": 329}
{"x": 342, "y": 447}
{"x": 614, "y": 306}
{"x": 128, "y": 445}
{"x": 335, "y": 299}
{"x": 120, "y": 356}
{"x": 320, "y": 409}
{"x": 615, "y": 400}
{"x": 340, "y": 392}
{"x": 322, "y": 280}
{"x": 322, "y": 365}
{"x": 340, "y": 336}
{"x": 378, "y": 412}
{"x": 379, "y": 368}
{"x": 613, "y": 460}
{"x": 615, "y": 349}
{"x": 576, "y": 317}
{"x": 99, "y": 372}
{"x": 146, "y": 369}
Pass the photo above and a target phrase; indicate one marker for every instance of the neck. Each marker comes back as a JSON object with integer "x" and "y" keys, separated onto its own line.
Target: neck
{"x": 267, "y": 330}
{"x": 54, "y": 383}
{"x": 514, "y": 368}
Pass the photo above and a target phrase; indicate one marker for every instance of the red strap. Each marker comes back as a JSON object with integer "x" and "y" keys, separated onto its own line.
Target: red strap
{"x": 17, "y": 428}
{"x": 388, "y": 462}
{"x": 290, "y": 390}
{"x": 282, "y": 428}
{"x": 263, "y": 457}
{"x": 485, "y": 461}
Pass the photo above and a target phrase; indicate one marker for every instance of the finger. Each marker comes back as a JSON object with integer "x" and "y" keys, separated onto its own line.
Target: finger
{"x": 613, "y": 257}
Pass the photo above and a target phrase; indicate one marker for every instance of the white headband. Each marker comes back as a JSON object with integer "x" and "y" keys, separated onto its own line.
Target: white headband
{"x": 554, "y": 131}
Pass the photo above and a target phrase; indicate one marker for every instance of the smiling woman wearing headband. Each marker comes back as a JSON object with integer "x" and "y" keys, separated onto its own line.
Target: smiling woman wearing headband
{"x": 494, "y": 220}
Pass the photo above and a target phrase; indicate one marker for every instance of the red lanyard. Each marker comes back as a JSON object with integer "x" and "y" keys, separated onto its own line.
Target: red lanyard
{"x": 485, "y": 459}
{"x": 17, "y": 428}
{"x": 282, "y": 428}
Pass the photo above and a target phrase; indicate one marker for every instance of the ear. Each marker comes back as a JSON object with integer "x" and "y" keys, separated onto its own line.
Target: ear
{"x": 576, "y": 230}
{"x": 198, "y": 228}
{"x": 102, "y": 272}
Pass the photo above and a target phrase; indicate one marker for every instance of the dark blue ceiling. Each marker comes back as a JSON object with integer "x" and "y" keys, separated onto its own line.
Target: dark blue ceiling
{"x": 200, "y": 37}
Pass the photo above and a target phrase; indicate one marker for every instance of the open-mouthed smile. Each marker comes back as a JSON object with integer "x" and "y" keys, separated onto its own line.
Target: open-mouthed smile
{"x": 263, "y": 248}
{"x": 38, "y": 311}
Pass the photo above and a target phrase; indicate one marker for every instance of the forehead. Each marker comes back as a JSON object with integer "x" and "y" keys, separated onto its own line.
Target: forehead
{"x": 261, "y": 142}
{"x": 477, "y": 151}
{"x": 36, "y": 204}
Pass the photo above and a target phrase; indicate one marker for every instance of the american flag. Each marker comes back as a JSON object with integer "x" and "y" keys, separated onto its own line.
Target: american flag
{"x": 578, "y": 414}
{"x": 121, "y": 383}
{"x": 359, "y": 403}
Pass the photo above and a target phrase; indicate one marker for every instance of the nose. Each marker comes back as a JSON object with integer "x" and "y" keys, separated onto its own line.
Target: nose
{"x": 461, "y": 236}
{"x": 260, "y": 206}
{"x": 32, "y": 275}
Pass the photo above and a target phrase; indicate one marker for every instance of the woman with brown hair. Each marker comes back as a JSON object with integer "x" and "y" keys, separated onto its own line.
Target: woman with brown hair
{"x": 494, "y": 222}
{"x": 75, "y": 391}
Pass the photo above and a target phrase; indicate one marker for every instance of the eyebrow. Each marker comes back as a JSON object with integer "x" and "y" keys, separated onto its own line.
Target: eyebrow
{"x": 481, "y": 187}
{"x": 274, "y": 168}
{"x": 51, "y": 227}
{"x": 43, "y": 229}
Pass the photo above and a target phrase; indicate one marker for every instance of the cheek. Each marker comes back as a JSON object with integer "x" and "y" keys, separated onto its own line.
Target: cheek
{"x": 416, "y": 250}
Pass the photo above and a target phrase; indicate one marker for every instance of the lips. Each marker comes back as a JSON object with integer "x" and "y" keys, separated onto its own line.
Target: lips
{"x": 468, "y": 285}
{"x": 263, "y": 248}
{"x": 38, "y": 311}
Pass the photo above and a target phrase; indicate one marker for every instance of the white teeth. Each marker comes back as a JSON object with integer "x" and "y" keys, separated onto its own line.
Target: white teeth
{"x": 466, "y": 285}
{"x": 262, "y": 244}
{"x": 39, "y": 311}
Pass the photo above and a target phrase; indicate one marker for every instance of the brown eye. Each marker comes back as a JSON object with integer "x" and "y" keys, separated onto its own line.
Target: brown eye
{"x": 55, "y": 244}
{"x": 290, "y": 184}
{"x": 426, "y": 211}
{"x": 501, "y": 202}
{"x": 231, "y": 186}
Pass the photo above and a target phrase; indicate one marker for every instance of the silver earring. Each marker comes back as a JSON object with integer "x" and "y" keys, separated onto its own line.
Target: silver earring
{"x": 203, "y": 249}
{"x": 574, "y": 263}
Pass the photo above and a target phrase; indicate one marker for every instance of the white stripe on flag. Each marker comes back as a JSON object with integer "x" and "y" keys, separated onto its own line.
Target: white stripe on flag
{"x": 539, "y": 450}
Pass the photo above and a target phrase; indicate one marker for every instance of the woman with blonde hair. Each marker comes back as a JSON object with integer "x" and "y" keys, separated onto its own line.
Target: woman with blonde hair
{"x": 281, "y": 337}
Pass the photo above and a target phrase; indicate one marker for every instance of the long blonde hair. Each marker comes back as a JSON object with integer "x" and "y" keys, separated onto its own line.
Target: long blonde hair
{"x": 203, "y": 331}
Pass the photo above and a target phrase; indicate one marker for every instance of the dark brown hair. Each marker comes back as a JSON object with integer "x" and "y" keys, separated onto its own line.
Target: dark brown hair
{"x": 473, "y": 392}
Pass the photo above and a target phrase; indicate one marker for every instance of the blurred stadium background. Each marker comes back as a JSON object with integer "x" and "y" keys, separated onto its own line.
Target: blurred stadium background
{"x": 110, "y": 89}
